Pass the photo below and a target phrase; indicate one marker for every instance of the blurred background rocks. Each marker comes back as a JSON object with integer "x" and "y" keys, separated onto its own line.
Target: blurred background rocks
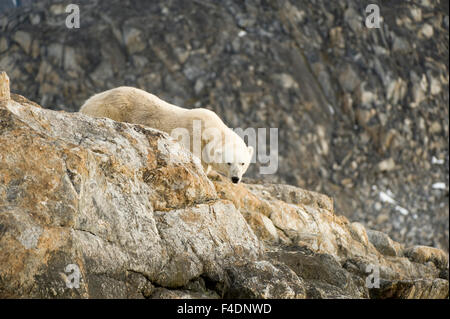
{"x": 362, "y": 113}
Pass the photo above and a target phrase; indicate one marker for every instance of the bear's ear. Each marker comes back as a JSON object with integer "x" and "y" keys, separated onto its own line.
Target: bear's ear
{"x": 250, "y": 151}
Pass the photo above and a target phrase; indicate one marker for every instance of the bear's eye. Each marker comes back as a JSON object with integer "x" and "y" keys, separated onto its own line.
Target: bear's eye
{"x": 229, "y": 164}
{"x": 242, "y": 164}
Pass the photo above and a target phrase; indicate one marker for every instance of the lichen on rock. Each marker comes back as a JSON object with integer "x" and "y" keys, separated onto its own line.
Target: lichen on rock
{"x": 139, "y": 221}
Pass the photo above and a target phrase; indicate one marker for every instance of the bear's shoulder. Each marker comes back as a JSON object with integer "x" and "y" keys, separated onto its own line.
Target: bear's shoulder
{"x": 205, "y": 115}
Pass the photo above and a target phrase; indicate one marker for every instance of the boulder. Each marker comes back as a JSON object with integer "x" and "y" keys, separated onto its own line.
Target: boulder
{"x": 360, "y": 110}
{"x": 92, "y": 208}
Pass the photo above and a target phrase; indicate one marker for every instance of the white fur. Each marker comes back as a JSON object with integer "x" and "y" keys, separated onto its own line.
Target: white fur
{"x": 223, "y": 150}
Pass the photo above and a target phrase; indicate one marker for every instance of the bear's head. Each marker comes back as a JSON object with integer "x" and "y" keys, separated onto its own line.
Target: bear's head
{"x": 232, "y": 160}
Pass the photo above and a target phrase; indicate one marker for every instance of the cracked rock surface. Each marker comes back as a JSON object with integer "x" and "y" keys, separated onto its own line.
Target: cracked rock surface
{"x": 133, "y": 215}
{"x": 361, "y": 112}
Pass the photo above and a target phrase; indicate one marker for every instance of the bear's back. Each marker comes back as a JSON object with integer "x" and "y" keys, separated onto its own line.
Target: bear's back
{"x": 128, "y": 104}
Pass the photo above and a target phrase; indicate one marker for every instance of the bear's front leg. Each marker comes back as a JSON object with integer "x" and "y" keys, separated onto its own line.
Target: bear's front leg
{"x": 212, "y": 174}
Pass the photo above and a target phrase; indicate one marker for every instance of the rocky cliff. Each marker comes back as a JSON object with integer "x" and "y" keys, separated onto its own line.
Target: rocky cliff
{"x": 362, "y": 113}
{"x": 132, "y": 214}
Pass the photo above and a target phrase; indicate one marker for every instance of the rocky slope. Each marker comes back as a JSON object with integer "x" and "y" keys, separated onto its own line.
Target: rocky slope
{"x": 362, "y": 113}
{"x": 133, "y": 214}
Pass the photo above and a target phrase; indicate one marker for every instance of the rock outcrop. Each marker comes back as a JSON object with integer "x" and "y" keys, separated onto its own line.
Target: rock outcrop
{"x": 94, "y": 208}
{"x": 362, "y": 112}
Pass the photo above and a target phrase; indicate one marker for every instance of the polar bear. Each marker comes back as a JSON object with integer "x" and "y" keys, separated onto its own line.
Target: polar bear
{"x": 221, "y": 148}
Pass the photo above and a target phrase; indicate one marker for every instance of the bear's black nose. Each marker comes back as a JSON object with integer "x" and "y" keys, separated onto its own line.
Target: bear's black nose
{"x": 235, "y": 180}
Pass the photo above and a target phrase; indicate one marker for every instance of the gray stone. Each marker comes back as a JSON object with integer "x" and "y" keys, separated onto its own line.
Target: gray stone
{"x": 383, "y": 243}
{"x": 24, "y": 39}
{"x": 349, "y": 79}
{"x": 133, "y": 40}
